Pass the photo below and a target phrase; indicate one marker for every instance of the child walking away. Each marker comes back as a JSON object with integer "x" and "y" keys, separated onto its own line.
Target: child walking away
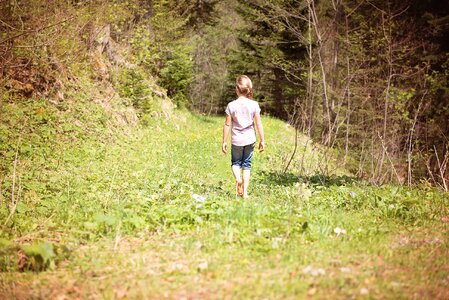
{"x": 241, "y": 115}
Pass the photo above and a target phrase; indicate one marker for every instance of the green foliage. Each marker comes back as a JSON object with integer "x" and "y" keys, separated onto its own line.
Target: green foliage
{"x": 133, "y": 86}
{"x": 39, "y": 256}
{"x": 146, "y": 49}
{"x": 190, "y": 14}
{"x": 271, "y": 50}
{"x": 212, "y": 62}
{"x": 176, "y": 75}
{"x": 7, "y": 259}
{"x": 53, "y": 56}
{"x": 161, "y": 46}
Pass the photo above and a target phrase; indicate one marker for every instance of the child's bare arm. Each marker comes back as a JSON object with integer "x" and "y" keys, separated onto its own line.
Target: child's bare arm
{"x": 259, "y": 127}
{"x": 226, "y": 128}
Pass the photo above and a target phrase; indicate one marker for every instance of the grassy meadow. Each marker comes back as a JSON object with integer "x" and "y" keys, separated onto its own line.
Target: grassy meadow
{"x": 150, "y": 212}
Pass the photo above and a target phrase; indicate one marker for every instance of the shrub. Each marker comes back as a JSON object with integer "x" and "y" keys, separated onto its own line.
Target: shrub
{"x": 133, "y": 85}
{"x": 177, "y": 74}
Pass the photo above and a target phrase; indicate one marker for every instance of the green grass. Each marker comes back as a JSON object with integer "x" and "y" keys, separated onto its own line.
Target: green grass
{"x": 116, "y": 214}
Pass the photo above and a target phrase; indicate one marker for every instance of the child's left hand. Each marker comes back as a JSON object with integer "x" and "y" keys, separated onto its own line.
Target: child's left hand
{"x": 224, "y": 148}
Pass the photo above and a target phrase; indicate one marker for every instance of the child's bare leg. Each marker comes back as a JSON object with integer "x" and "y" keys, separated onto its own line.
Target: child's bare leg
{"x": 236, "y": 172}
{"x": 246, "y": 176}
{"x": 238, "y": 180}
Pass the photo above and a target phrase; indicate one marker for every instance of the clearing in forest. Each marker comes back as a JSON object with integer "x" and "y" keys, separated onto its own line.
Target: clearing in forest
{"x": 152, "y": 214}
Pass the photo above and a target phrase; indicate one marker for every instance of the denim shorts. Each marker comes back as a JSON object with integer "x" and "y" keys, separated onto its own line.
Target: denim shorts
{"x": 242, "y": 156}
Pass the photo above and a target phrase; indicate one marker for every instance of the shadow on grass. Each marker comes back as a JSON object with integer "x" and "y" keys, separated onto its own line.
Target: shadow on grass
{"x": 289, "y": 179}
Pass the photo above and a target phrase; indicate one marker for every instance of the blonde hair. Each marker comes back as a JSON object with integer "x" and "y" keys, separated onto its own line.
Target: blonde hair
{"x": 244, "y": 86}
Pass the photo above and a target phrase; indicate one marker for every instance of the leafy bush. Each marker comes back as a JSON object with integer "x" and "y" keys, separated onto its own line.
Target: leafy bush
{"x": 37, "y": 257}
{"x": 177, "y": 74}
{"x": 132, "y": 84}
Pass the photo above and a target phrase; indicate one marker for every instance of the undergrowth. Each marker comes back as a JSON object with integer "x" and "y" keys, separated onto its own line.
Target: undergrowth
{"x": 73, "y": 175}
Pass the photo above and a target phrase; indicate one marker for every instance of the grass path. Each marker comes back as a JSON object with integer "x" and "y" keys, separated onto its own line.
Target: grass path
{"x": 153, "y": 215}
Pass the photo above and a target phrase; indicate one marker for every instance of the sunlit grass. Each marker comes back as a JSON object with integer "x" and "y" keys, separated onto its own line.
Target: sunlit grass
{"x": 152, "y": 213}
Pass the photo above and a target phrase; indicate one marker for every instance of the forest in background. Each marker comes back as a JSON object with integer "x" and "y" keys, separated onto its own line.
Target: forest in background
{"x": 367, "y": 78}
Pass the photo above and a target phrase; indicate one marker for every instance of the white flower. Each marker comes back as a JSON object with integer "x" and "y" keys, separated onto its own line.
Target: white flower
{"x": 339, "y": 231}
{"x": 199, "y": 198}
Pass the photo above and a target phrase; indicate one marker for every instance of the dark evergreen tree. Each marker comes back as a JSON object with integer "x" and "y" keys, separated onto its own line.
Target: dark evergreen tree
{"x": 271, "y": 54}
